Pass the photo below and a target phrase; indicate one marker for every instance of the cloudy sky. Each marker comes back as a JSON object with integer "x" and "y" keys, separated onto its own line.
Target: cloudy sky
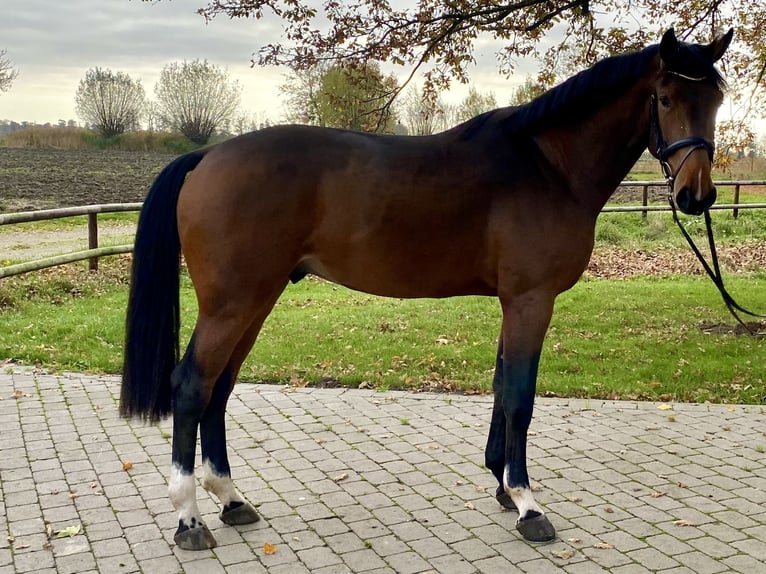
{"x": 53, "y": 43}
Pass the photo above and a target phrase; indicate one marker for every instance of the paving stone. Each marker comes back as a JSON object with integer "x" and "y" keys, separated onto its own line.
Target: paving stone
{"x": 362, "y": 560}
{"x": 416, "y": 497}
{"x": 652, "y": 559}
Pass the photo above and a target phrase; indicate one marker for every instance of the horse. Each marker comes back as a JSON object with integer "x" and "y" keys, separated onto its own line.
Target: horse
{"x": 503, "y": 205}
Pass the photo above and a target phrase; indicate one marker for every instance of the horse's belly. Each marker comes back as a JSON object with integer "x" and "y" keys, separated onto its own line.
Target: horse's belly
{"x": 403, "y": 274}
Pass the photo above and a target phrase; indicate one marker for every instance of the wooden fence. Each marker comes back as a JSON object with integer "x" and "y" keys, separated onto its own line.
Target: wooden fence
{"x": 93, "y": 252}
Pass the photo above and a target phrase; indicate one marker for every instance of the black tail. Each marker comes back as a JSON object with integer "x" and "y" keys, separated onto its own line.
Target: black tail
{"x": 153, "y": 318}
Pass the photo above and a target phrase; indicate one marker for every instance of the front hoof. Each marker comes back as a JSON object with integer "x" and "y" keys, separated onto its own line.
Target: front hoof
{"x": 239, "y": 513}
{"x": 536, "y": 528}
{"x": 197, "y": 538}
{"x": 504, "y": 499}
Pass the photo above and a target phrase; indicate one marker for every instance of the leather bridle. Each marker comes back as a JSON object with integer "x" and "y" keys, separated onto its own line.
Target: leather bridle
{"x": 664, "y": 151}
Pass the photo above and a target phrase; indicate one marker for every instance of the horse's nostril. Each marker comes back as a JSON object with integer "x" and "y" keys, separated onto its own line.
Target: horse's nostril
{"x": 687, "y": 201}
{"x": 684, "y": 199}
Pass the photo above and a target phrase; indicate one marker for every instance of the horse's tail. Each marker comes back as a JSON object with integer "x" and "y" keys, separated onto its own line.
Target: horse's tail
{"x": 153, "y": 316}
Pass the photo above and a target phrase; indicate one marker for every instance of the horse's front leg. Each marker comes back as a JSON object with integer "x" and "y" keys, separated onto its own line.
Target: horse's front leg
{"x": 525, "y": 321}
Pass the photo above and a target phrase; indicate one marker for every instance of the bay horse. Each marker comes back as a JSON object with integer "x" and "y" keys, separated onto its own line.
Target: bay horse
{"x": 502, "y": 205}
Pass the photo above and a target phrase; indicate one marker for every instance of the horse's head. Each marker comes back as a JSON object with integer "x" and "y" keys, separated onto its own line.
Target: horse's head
{"x": 687, "y": 95}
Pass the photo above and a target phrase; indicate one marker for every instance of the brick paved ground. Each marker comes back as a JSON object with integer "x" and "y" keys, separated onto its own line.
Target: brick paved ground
{"x": 359, "y": 481}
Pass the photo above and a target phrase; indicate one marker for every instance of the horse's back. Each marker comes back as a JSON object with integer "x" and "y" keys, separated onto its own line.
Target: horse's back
{"x": 400, "y": 216}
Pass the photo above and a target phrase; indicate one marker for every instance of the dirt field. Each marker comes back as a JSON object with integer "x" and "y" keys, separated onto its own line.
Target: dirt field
{"x": 43, "y": 179}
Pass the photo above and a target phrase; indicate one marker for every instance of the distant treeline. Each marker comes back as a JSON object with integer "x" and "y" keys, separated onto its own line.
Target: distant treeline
{"x": 70, "y": 137}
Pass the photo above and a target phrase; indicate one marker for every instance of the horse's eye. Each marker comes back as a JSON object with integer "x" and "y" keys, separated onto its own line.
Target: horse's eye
{"x": 665, "y": 101}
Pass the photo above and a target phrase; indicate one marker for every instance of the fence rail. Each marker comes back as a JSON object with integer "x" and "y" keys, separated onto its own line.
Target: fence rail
{"x": 94, "y": 251}
{"x": 645, "y": 185}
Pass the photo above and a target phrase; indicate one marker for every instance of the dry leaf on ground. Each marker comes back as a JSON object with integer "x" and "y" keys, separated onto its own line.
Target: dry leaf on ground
{"x": 69, "y": 531}
{"x": 269, "y": 549}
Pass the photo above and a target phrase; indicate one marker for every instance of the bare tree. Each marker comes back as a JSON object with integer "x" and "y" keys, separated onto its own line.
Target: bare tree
{"x": 196, "y": 98}
{"x": 111, "y": 102}
{"x": 423, "y": 115}
{"x": 7, "y": 72}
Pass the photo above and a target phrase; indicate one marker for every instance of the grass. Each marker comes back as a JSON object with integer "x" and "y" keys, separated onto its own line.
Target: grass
{"x": 630, "y": 339}
{"x": 74, "y": 222}
{"x": 630, "y": 231}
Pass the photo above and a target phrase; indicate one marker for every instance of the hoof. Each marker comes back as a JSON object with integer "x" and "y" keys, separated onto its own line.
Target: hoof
{"x": 504, "y": 499}
{"x": 239, "y": 513}
{"x": 536, "y": 529}
{"x": 197, "y": 538}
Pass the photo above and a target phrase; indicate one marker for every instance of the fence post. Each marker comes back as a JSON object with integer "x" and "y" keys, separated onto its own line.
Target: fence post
{"x": 93, "y": 239}
{"x": 644, "y": 200}
{"x": 735, "y": 211}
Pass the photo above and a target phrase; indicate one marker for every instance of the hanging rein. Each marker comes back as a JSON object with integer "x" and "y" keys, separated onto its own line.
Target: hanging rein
{"x": 664, "y": 151}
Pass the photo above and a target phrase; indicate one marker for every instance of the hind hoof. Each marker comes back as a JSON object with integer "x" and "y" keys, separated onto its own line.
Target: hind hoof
{"x": 536, "y": 529}
{"x": 504, "y": 499}
{"x": 239, "y": 513}
{"x": 197, "y": 538}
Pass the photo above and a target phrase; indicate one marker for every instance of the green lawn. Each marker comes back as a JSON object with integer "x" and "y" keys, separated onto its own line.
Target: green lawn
{"x": 637, "y": 338}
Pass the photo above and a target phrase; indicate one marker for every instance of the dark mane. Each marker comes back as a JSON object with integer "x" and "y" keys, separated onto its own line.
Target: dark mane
{"x": 585, "y": 92}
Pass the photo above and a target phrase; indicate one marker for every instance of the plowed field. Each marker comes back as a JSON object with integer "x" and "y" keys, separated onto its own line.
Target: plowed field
{"x": 43, "y": 179}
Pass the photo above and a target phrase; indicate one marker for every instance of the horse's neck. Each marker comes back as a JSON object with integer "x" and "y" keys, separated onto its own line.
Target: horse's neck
{"x": 595, "y": 155}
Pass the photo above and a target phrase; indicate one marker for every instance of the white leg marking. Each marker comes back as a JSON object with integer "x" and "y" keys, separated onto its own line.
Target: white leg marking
{"x": 182, "y": 489}
{"x": 220, "y": 485}
{"x": 522, "y": 497}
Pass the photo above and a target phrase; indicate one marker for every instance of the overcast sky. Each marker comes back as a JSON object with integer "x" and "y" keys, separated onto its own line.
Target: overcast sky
{"x": 52, "y": 43}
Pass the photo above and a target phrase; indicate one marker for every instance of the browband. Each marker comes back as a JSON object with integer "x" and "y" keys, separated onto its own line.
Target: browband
{"x": 685, "y": 77}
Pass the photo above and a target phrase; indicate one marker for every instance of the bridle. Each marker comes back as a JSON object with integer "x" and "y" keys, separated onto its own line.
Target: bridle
{"x": 664, "y": 151}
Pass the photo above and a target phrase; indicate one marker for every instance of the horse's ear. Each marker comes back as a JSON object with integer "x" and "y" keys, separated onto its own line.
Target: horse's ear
{"x": 718, "y": 46}
{"x": 668, "y": 46}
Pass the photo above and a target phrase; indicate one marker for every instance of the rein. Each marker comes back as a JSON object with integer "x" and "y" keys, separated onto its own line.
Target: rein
{"x": 664, "y": 151}
{"x": 714, "y": 272}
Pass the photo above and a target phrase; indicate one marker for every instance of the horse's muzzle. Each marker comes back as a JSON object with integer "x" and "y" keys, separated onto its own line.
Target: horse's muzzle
{"x": 688, "y": 203}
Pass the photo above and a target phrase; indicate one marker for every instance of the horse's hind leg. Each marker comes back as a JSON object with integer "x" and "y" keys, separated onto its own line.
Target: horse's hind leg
{"x": 199, "y": 380}
{"x": 216, "y": 472}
